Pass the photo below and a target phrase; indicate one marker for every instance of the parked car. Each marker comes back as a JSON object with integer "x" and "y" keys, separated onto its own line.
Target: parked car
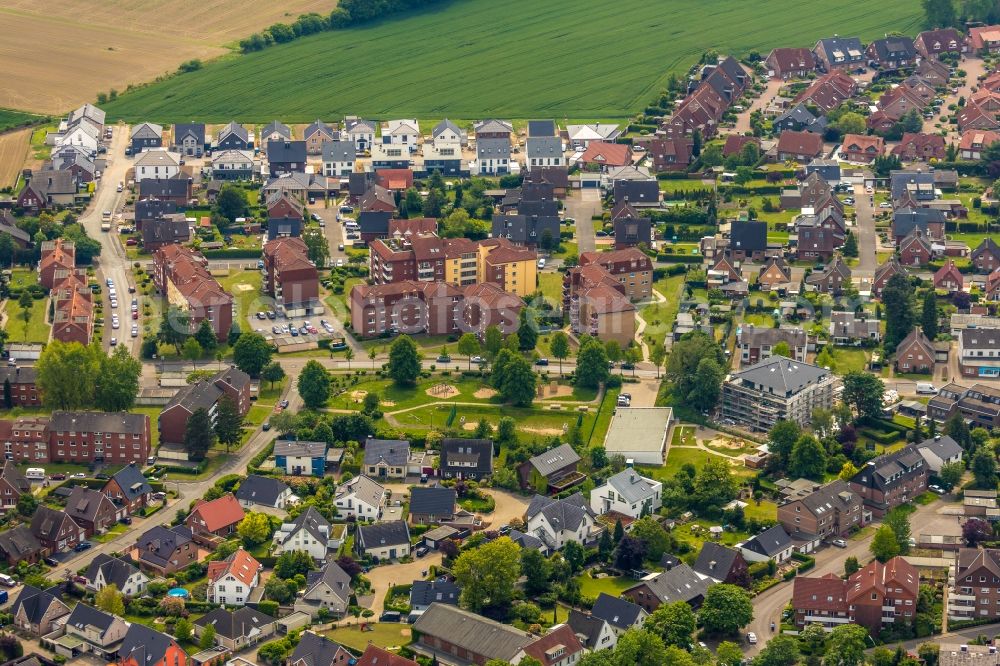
{"x": 752, "y": 638}
{"x": 542, "y": 361}
{"x": 421, "y": 551}
{"x": 839, "y": 543}
{"x": 82, "y": 546}
{"x": 58, "y": 476}
{"x": 284, "y": 404}
{"x": 444, "y": 359}
{"x": 7, "y": 580}
{"x": 266, "y": 426}
{"x": 125, "y": 520}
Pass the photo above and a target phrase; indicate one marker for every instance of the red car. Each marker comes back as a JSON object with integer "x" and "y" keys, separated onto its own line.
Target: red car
{"x": 135, "y": 314}
{"x": 57, "y": 477}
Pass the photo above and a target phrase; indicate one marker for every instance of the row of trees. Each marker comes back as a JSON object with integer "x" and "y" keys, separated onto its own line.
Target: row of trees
{"x": 73, "y": 376}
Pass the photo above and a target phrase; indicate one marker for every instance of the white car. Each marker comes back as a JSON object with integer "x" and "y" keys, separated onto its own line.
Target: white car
{"x": 114, "y": 342}
{"x": 135, "y": 331}
{"x": 752, "y": 638}
{"x": 115, "y": 323}
{"x": 340, "y": 262}
{"x": 114, "y": 303}
{"x": 885, "y": 204}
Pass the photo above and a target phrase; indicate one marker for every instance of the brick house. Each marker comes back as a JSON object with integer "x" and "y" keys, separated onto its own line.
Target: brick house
{"x": 975, "y": 593}
{"x": 920, "y": 146}
{"x": 12, "y": 485}
{"x": 219, "y": 516}
{"x": 884, "y": 272}
{"x": 949, "y": 278}
{"x": 182, "y": 276}
{"x": 630, "y": 267}
{"x": 862, "y": 148}
{"x": 787, "y": 63}
{"x": 890, "y": 480}
{"x": 986, "y": 256}
{"x": 204, "y": 394}
{"x": 975, "y": 142}
{"x": 774, "y": 272}
{"x": 290, "y": 278}
{"x": 55, "y": 530}
{"x": 73, "y": 313}
{"x": 23, "y": 390}
{"x": 756, "y": 343}
{"x": 809, "y": 518}
{"x": 163, "y": 550}
{"x": 932, "y": 43}
{"x": 56, "y": 254}
{"x": 915, "y": 354}
{"x": 915, "y": 248}
{"x": 92, "y": 510}
{"x": 673, "y": 154}
{"x": 143, "y": 646}
{"x": 722, "y": 564}
{"x": 597, "y": 304}
{"x": 465, "y": 638}
{"x": 112, "y": 437}
{"x": 831, "y": 280}
{"x": 799, "y": 146}
{"x": 129, "y": 488}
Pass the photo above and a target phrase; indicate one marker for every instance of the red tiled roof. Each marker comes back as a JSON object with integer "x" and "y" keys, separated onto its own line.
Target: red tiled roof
{"x": 735, "y": 143}
{"x": 219, "y": 513}
{"x": 800, "y": 143}
{"x": 827, "y": 592}
{"x": 546, "y": 649}
{"x": 376, "y": 656}
{"x": 610, "y": 154}
{"x": 973, "y": 138}
{"x": 240, "y": 564}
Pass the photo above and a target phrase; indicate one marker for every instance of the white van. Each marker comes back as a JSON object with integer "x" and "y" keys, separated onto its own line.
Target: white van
{"x": 926, "y": 388}
{"x": 35, "y": 474}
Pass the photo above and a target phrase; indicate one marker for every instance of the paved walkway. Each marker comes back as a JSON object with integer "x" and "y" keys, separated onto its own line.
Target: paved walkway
{"x": 659, "y": 298}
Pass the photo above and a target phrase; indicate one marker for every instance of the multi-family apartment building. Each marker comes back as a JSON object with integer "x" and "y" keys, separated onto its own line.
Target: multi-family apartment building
{"x": 757, "y": 343}
{"x": 290, "y": 278}
{"x": 630, "y": 267}
{"x": 23, "y": 389}
{"x": 182, "y": 276}
{"x": 55, "y": 254}
{"x": 205, "y": 394}
{"x": 774, "y": 389}
{"x": 890, "y": 480}
{"x": 975, "y": 589}
{"x": 979, "y": 352}
{"x": 86, "y": 437}
{"x": 597, "y": 304}
{"x": 978, "y": 404}
{"x": 826, "y": 511}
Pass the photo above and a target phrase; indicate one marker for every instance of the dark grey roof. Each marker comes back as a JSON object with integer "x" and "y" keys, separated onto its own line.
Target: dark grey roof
{"x": 899, "y": 180}
{"x": 361, "y": 125}
{"x": 19, "y": 543}
{"x": 152, "y": 208}
{"x": 798, "y": 114}
{"x": 319, "y": 126}
{"x": 332, "y": 575}
{"x": 544, "y": 146}
{"x": 393, "y": 452}
{"x": 263, "y": 490}
{"x": 84, "y": 503}
{"x": 54, "y": 181}
{"x": 300, "y": 449}
{"x": 943, "y": 446}
{"x": 196, "y": 130}
{"x": 200, "y": 395}
{"x": 236, "y": 129}
{"x": 844, "y": 45}
{"x": 783, "y": 375}
{"x": 163, "y": 187}
{"x": 9, "y": 227}
{"x": 47, "y": 522}
{"x": 445, "y": 125}
{"x": 525, "y": 229}
{"x": 562, "y": 514}
{"x": 540, "y": 128}
{"x": 84, "y": 616}
{"x": 532, "y": 207}
{"x": 492, "y": 149}
{"x": 114, "y": 570}
{"x": 432, "y": 501}
{"x": 748, "y": 236}
{"x": 554, "y": 459}
{"x": 173, "y": 229}
{"x": 235, "y": 624}
{"x": 586, "y": 627}
{"x": 276, "y": 126}
{"x": 339, "y": 151}
{"x": 637, "y": 191}
{"x": 22, "y": 375}
{"x": 35, "y": 603}
{"x": 286, "y": 151}
{"x": 716, "y": 560}
{"x": 314, "y": 522}
{"x": 426, "y": 592}
{"x": 158, "y": 543}
{"x": 681, "y": 583}
{"x": 770, "y": 542}
{"x": 391, "y": 533}
{"x": 906, "y": 219}
{"x": 316, "y": 650}
{"x": 144, "y": 645}
{"x": 980, "y": 338}
{"x": 619, "y": 613}
{"x": 473, "y": 633}
{"x": 12, "y": 475}
{"x": 146, "y": 131}
{"x": 632, "y": 486}
{"x": 374, "y": 222}
{"x": 894, "y": 48}
{"x": 477, "y": 451}
{"x": 526, "y": 540}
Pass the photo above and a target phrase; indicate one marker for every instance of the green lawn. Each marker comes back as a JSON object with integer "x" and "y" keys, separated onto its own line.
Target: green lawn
{"x": 383, "y": 635}
{"x": 34, "y": 330}
{"x": 551, "y": 285}
{"x": 765, "y": 511}
{"x": 540, "y": 42}
{"x": 404, "y": 397}
{"x": 10, "y": 119}
{"x": 245, "y": 288}
{"x": 153, "y": 413}
{"x": 660, "y": 316}
{"x": 683, "y": 436}
{"x": 676, "y": 458}
{"x": 542, "y": 422}
{"x": 849, "y": 359}
{"x": 612, "y": 585}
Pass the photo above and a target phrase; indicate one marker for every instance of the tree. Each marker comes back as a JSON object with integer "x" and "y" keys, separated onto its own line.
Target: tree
{"x": 951, "y": 474}
{"x": 293, "y": 563}
{"x": 273, "y": 372}
{"x": 192, "y": 351}
{"x": 851, "y": 566}
{"x": 493, "y": 341}
{"x": 404, "y": 361}
{"x": 808, "y": 458}
{"x": 629, "y": 553}
{"x": 117, "y": 384}
{"x": 370, "y": 402}
{"x": 487, "y": 574}
{"x": 205, "y": 335}
{"x": 652, "y": 534}
{"x": 658, "y": 354}
{"x": 468, "y": 345}
{"x": 314, "y": 385}
{"x": 726, "y": 609}
{"x": 559, "y": 346}
{"x": 706, "y": 385}
{"x": 633, "y": 355}
{"x": 683, "y": 368}
{"x": 848, "y": 471}
{"x": 850, "y": 123}
{"x": 783, "y": 436}
{"x": 939, "y": 14}
{"x": 26, "y": 302}
{"x": 899, "y": 522}
{"x": 846, "y": 646}
{"x": 66, "y": 374}
{"x": 782, "y": 650}
{"x": 974, "y": 531}
{"x": 591, "y": 364}
{"x": 251, "y": 353}
{"x": 231, "y": 202}
{"x": 613, "y": 350}
{"x": 897, "y": 302}
{"x": 929, "y": 653}
{"x": 641, "y": 648}
{"x": 174, "y": 328}
{"x": 782, "y": 349}
{"x": 864, "y": 392}
{"x": 714, "y": 485}
{"x": 536, "y": 571}
{"x": 884, "y": 545}
{"x": 198, "y": 436}
{"x": 527, "y": 329}
{"x": 984, "y": 469}
{"x": 929, "y": 318}
{"x": 228, "y": 422}
{"x": 371, "y": 355}
{"x": 317, "y": 248}
{"x": 254, "y": 529}
{"x": 728, "y": 654}
{"x": 27, "y": 504}
{"x": 207, "y": 637}
{"x": 518, "y": 384}
{"x": 850, "y": 245}
{"x": 956, "y": 428}
{"x": 182, "y": 630}
{"x": 110, "y": 600}
{"x": 674, "y": 623}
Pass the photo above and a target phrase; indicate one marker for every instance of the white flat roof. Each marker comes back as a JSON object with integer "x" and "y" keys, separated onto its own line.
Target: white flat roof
{"x": 638, "y": 429}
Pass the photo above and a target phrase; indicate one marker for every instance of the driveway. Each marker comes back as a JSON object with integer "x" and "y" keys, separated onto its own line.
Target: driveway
{"x": 974, "y": 68}
{"x": 867, "y": 236}
{"x": 770, "y": 92}
{"x": 582, "y": 205}
{"x": 332, "y": 229}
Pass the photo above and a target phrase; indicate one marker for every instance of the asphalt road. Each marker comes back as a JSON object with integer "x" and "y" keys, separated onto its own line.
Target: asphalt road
{"x": 865, "y": 229}
{"x": 582, "y": 205}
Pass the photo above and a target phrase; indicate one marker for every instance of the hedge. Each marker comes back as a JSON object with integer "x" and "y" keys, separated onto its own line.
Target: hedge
{"x": 679, "y": 258}
{"x": 234, "y": 253}
{"x": 755, "y": 190}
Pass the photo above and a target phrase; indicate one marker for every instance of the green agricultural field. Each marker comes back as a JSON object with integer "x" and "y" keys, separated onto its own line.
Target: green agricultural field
{"x": 11, "y": 119}
{"x": 515, "y": 59}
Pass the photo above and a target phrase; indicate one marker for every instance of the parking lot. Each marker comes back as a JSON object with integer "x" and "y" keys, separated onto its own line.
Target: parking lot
{"x": 304, "y": 329}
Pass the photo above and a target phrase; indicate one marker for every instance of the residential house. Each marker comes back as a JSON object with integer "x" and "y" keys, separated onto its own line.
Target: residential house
{"x": 383, "y": 541}
{"x": 105, "y": 570}
{"x": 722, "y": 564}
{"x": 423, "y": 593}
{"x": 984, "y": 38}
{"x": 445, "y": 158}
{"x": 892, "y": 53}
{"x": 291, "y": 278}
{"x": 432, "y": 505}
{"x": 828, "y": 91}
{"x": 757, "y": 343}
{"x": 580, "y": 136}
{"x": 316, "y": 650}
{"x": 13, "y": 485}
{"x": 600, "y": 155}
{"x": 559, "y": 646}
{"x": 206, "y": 394}
{"x": 182, "y": 275}
{"x": 833, "y": 510}
{"x": 129, "y": 488}
{"x": 360, "y": 497}
{"x": 230, "y": 581}
{"x": 92, "y": 510}
{"x": 338, "y": 158}
{"x": 361, "y": 132}
{"x": 877, "y": 595}
{"x": 404, "y": 132}
{"x": 470, "y": 459}
{"x": 462, "y": 638}
{"x": 219, "y": 516}
{"x": 143, "y": 646}
{"x": 789, "y": 63}
{"x": 285, "y": 156}
{"x": 593, "y": 632}
{"x": 935, "y": 72}
{"x": 55, "y": 530}
{"x": 238, "y": 629}
{"x": 377, "y": 199}
{"x": 839, "y": 53}
{"x": 275, "y": 131}
{"x": 597, "y": 304}
{"x": 633, "y": 231}
{"x": 328, "y": 588}
{"x": 188, "y": 139}
{"x": 978, "y": 404}
{"x": 679, "y": 583}
{"x": 493, "y": 147}
{"x": 775, "y": 273}
{"x": 884, "y": 272}
{"x": 544, "y": 151}
{"x": 447, "y": 133}
{"x": 258, "y": 490}
{"x": 310, "y": 532}
{"x": 630, "y": 267}
{"x": 56, "y": 256}
{"x": 798, "y": 119}
{"x": 735, "y": 143}
{"x": 156, "y": 163}
{"x": 168, "y": 230}
{"x": 557, "y": 522}
{"x": 46, "y": 190}
{"x": 788, "y": 389}
{"x": 949, "y": 278}
{"x": 23, "y": 386}
{"x": 234, "y": 137}
{"x": 932, "y": 43}
{"x": 553, "y": 470}
{"x": 862, "y": 148}
{"x": 37, "y": 612}
{"x": 524, "y": 229}
{"x": 670, "y": 154}
{"x": 890, "y": 480}
{"x": 986, "y": 256}
{"x": 915, "y": 248}
{"x": 621, "y": 614}
{"x": 979, "y": 352}
{"x": 163, "y": 551}
{"x": 915, "y": 354}
{"x": 176, "y": 189}
{"x": 973, "y": 593}
{"x": 771, "y": 544}
{"x": 637, "y": 193}
{"x": 18, "y": 544}
{"x": 300, "y": 458}
{"x": 939, "y": 451}
{"x": 233, "y": 165}
{"x": 627, "y": 493}
{"x": 833, "y": 279}
{"x": 974, "y": 142}
{"x": 386, "y": 458}
{"x": 848, "y": 329}
{"x": 100, "y": 632}
{"x": 799, "y": 146}
{"x": 145, "y": 136}
{"x": 9, "y": 228}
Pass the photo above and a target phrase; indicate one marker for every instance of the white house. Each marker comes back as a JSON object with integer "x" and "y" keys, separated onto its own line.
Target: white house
{"x": 556, "y": 522}
{"x": 230, "y": 581}
{"x": 360, "y": 497}
{"x": 404, "y": 132}
{"x": 448, "y": 134}
{"x": 939, "y": 451}
{"x": 264, "y": 491}
{"x": 328, "y": 588}
{"x": 338, "y": 158}
{"x": 361, "y": 132}
{"x": 627, "y": 493}
{"x": 233, "y": 165}
{"x": 105, "y": 570}
{"x": 157, "y": 163}
{"x": 82, "y": 135}
{"x": 383, "y": 541}
{"x": 544, "y": 151}
{"x": 771, "y": 544}
{"x": 309, "y": 532}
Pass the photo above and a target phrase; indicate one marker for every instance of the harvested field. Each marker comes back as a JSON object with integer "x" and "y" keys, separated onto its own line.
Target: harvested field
{"x": 99, "y": 46}
{"x": 13, "y": 149}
